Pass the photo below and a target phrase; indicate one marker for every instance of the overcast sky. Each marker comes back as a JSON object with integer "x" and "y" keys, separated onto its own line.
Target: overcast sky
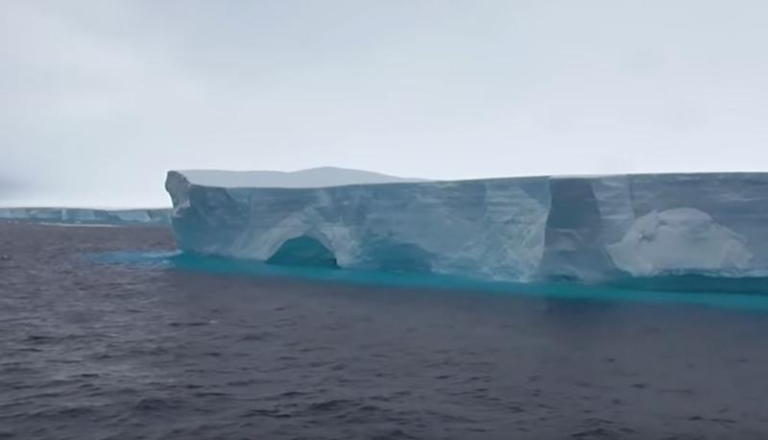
{"x": 98, "y": 99}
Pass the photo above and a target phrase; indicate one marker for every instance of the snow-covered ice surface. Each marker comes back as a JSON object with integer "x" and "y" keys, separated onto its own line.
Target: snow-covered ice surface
{"x": 595, "y": 228}
{"x": 309, "y": 178}
{"x": 85, "y": 216}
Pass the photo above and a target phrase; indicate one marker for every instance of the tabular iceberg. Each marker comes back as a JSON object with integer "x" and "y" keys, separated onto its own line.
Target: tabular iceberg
{"x": 589, "y": 228}
{"x": 88, "y": 216}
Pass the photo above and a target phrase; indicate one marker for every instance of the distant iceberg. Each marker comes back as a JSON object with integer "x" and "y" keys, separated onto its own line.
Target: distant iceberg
{"x": 87, "y": 216}
{"x": 590, "y": 228}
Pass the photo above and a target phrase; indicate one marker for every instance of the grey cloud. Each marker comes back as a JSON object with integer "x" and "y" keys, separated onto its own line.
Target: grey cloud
{"x": 100, "y": 99}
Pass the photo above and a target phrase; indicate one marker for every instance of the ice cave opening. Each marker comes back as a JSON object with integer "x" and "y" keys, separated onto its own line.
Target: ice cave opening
{"x": 304, "y": 251}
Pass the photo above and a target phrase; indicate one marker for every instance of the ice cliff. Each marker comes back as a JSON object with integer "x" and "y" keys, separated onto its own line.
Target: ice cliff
{"x": 519, "y": 229}
{"x": 87, "y": 216}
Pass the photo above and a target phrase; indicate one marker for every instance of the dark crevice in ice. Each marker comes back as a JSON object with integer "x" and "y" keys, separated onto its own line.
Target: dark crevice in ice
{"x": 303, "y": 251}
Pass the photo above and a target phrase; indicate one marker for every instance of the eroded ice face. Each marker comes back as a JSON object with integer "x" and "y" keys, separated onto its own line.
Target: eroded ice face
{"x": 519, "y": 229}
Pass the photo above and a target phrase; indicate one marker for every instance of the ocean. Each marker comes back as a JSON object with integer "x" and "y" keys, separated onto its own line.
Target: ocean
{"x": 95, "y": 350}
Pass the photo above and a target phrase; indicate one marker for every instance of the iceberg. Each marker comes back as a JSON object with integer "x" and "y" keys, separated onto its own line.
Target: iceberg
{"x": 85, "y": 216}
{"x": 585, "y": 228}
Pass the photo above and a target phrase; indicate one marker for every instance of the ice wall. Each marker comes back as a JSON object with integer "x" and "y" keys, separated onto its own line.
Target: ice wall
{"x": 87, "y": 216}
{"x": 586, "y": 228}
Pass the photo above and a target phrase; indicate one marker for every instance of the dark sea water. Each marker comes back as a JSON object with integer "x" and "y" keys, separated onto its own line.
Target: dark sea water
{"x": 121, "y": 351}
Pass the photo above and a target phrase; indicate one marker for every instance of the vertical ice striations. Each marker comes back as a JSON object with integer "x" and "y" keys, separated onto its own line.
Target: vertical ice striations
{"x": 574, "y": 232}
{"x": 586, "y": 228}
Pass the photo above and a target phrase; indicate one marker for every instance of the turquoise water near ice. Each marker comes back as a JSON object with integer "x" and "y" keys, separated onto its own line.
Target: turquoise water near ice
{"x": 746, "y": 293}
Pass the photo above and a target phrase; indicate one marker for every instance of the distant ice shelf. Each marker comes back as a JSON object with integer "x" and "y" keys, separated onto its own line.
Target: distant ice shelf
{"x": 586, "y": 228}
{"x": 87, "y": 216}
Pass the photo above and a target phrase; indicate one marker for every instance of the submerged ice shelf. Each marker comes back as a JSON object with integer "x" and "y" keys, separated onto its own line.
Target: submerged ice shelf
{"x": 592, "y": 229}
{"x": 88, "y": 216}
